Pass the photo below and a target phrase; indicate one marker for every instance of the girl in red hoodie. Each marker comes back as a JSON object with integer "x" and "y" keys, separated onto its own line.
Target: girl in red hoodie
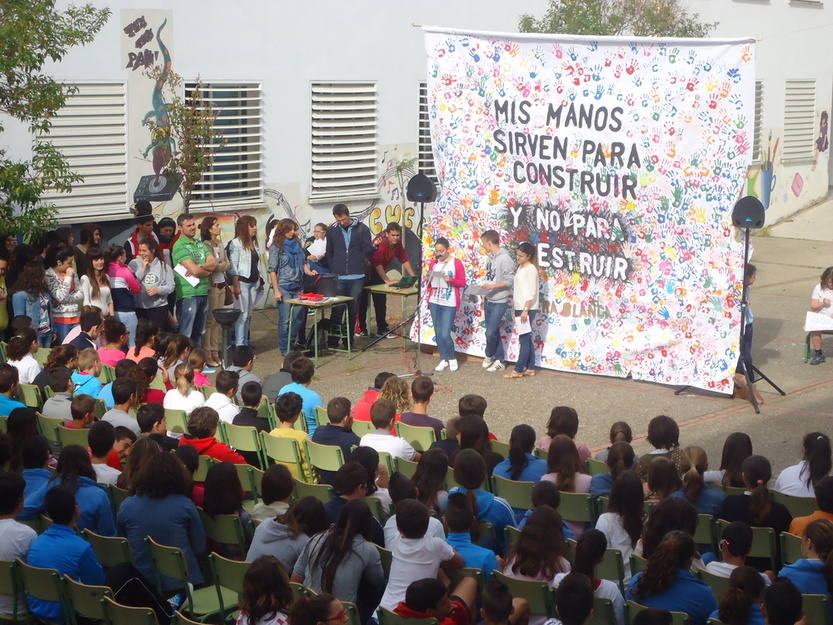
{"x": 202, "y": 425}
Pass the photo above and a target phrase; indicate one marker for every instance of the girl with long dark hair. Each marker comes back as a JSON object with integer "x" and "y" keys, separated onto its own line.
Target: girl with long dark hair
{"x": 741, "y": 603}
{"x": 75, "y": 472}
{"x": 564, "y": 420}
{"x": 663, "y": 480}
{"x": 446, "y": 281}
{"x": 671, "y": 514}
{"x": 65, "y": 291}
{"x": 620, "y": 432}
{"x": 590, "y": 551}
{"x": 323, "y": 609}
{"x": 147, "y": 331}
{"x": 539, "y": 553}
{"x": 266, "y": 595}
{"x": 124, "y": 286}
{"x": 157, "y": 283}
{"x": 736, "y": 449}
{"x": 800, "y": 479}
{"x": 90, "y": 237}
{"x": 623, "y": 521}
{"x": 566, "y": 472}
{"x": 287, "y": 267}
{"x": 521, "y": 465}
{"x": 620, "y": 458}
{"x": 755, "y": 507}
{"x": 20, "y": 354}
{"x": 668, "y": 583}
{"x": 224, "y": 495}
{"x": 31, "y": 298}
{"x": 95, "y": 284}
{"x": 525, "y": 304}
{"x": 245, "y": 273}
{"x": 429, "y": 479}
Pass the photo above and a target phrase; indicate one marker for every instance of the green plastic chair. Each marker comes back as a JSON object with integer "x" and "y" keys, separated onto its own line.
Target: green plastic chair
{"x": 48, "y": 427}
{"x": 790, "y": 547}
{"x": 87, "y": 600}
{"x": 4, "y": 346}
{"x": 638, "y": 564}
{"x": 71, "y": 436}
{"x": 205, "y": 463}
{"x": 487, "y": 536}
{"x": 577, "y": 507}
{"x": 377, "y": 508}
{"x": 285, "y": 451}
{"x": 226, "y": 529}
{"x": 228, "y": 577}
{"x": 704, "y": 533}
{"x": 360, "y": 428}
{"x": 511, "y": 535}
{"x": 634, "y": 608}
{"x": 324, "y": 457}
{"x": 596, "y": 467}
{"x": 387, "y": 559}
{"x": 299, "y": 591}
{"x": 406, "y": 467}
{"x": 717, "y": 583}
{"x": 11, "y": 585}
{"x": 4, "y": 425}
{"x": 108, "y": 374}
{"x": 817, "y": 609}
{"x": 386, "y": 617}
{"x": 110, "y": 550}
{"x": 324, "y": 492}
{"x": 176, "y": 421}
{"x": 47, "y": 393}
{"x": 36, "y": 524}
{"x": 242, "y": 438}
{"x": 517, "y": 494}
{"x": 46, "y": 584}
{"x": 321, "y": 417}
{"x": 541, "y": 454}
{"x": 388, "y": 461}
{"x": 207, "y": 391}
{"x": 353, "y": 617}
{"x": 538, "y": 594}
{"x": 420, "y": 438}
{"x": 42, "y": 355}
{"x": 763, "y": 543}
{"x": 602, "y": 505}
{"x": 117, "y": 496}
{"x": 450, "y": 482}
{"x": 251, "y": 479}
{"x": 603, "y": 613}
{"x": 500, "y": 447}
{"x": 30, "y": 395}
{"x": 612, "y": 568}
{"x": 170, "y": 561}
{"x": 118, "y": 614}
{"x": 180, "y": 619}
{"x": 100, "y": 409}
{"x": 266, "y": 410}
{"x": 798, "y": 506}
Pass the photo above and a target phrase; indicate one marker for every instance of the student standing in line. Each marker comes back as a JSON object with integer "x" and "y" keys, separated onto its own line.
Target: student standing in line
{"x": 525, "y": 304}
{"x": 157, "y": 279}
{"x": 32, "y": 298}
{"x": 500, "y": 275}
{"x": 446, "y": 281}
{"x": 65, "y": 291}
{"x": 199, "y": 262}
{"x": 210, "y": 235}
{"x": 94, "y": 282}
{"x": 124, "y": 285}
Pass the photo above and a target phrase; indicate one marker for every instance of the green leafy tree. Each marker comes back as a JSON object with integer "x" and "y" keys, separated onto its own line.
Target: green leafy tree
{"x": 32, "y": 33}
{"x": 644, "y": 18}
{"x": 188, "y": 132}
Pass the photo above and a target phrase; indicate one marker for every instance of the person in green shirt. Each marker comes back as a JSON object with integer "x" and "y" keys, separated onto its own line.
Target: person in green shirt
{"x": 198, "y": 262}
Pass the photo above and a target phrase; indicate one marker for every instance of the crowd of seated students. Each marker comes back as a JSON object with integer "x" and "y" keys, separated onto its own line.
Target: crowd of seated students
{"x": 432, "y": 526}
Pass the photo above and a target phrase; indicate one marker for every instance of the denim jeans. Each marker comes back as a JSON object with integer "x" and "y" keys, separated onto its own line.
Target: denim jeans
{"x": 443, "y": 319}
{"x": 526, "y": 357}
{"x": 495, "y": 312}
{"x": 191, "y": 312}
{"x": 128, "y": 318}
{"x": 298, "y": 323}
{"x": 248, "y": 293}
{"x": 350, "y": 288}
{"x": 61, "y": 330}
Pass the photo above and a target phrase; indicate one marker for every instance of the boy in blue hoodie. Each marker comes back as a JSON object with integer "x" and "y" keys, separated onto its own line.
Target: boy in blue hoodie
{"x": 8, "y": 389}
{"x": 470, "y": 473}
{"x": 86, "y": 377}
{"x": 34, "y": 456}
{"x": 459, "y": 519}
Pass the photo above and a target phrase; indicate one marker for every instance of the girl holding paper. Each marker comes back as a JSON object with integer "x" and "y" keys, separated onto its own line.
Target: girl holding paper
{"x": 525, "y": 303}
{"x": 821, "y": 302}
{"x": 446, "y": 281}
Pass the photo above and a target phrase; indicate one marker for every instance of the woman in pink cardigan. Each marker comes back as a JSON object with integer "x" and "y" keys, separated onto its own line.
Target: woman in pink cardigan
{"x": 446, "y": 281}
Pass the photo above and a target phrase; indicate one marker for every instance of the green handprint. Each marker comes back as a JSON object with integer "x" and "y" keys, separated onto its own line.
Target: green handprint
{"x": 740, "y": 123}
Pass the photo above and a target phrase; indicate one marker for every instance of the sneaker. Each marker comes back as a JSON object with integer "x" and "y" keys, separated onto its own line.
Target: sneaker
{"x": 442, "y": 366}
{"x": 208, "y": 369}
{"x": 362, "y": 333}
{"x": 496, "y": 366}
{"x": 452, "y": 365}
{"x": 817, "y": 359}
{"x": 487, "y": 362}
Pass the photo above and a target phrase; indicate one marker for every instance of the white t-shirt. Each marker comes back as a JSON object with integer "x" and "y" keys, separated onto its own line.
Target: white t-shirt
{"x": 394, "y": 445}
{"x": 821, "y": 294}
{"x": 413, "y": 559}
{"x": 610, "y": 524}
{"x": 27, "y": 368}
{"x": 435, "y": 529}
{"x": 104, "y": 299}
{"x": 222, "y": 404}
{"x": 606, "y": 590}
{"x": 724, "y": 569}
{"x": 105, "y": 474}
{"x": 525, "y": 287}
{"x": 15, "y": 540}
{"x": 174, "y": 400}
{"x": 279, "y": 619}
{"x": 793, "y": 481}
{"x": 442, "y": 293}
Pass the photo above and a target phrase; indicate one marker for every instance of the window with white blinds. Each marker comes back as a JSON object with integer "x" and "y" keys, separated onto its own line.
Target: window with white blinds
{"x": 236, "y": 175}
{"x": 425, "y": 155}
{"x": 759, "y": 119}
{"x": 91, "y": 132}
{"x": 799, "y": 120}
{"x": 344, "y": 141}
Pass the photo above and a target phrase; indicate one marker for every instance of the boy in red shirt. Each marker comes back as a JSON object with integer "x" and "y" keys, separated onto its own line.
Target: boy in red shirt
{"x": 202, "y": 425}
{"x": 428, "y": 598}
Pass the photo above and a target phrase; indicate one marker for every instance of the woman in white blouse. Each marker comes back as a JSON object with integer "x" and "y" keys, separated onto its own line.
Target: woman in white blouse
{"x": 183, "y": 396}
{"x": 19, "y": 353}
{"x": 95, "y": 285}
{"x": 800, "y": 479}
{"x": 525, "y": 303}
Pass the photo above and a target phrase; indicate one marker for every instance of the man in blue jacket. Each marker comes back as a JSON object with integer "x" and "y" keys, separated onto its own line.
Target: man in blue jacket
{"x": 61, "y": 548}
{"x": 348, "y": 248}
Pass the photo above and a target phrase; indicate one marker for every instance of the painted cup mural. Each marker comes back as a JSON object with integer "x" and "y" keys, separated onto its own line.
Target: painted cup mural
{"x": 620, "y": 159}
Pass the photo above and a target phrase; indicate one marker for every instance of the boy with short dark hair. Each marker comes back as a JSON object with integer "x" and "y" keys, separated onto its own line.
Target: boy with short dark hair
{"x": 573, "y": 600}
{"x": 499, "y": 608}
{"x": 382, "y": 414}
{"x": 202, "y": 426}
{"x": 428, "y": 598}
{"x": 226, "y": 384}
{"x": 152, "y": 423}
{"x": 336, "y": 432}
{"x": 302, "y": 369}
{"x": 35, "y": 455}
{"x": 459, "y": 519}
{"x": 735, "y": 545}
{"x": 288, "y": 410}
{"x": 15, "y": 538}
{"x": 251, "y": 395}
{"x": 399, "y": 489}
{"x": 124, "y": 441}
{"x": 276, "y": 490}
{"x": 61, "y": 548}
{"x": 242, "y": 361}
{"x": 415, "y": 555}
{"x": 782, "y": 603}
{"x": 59, "y": 405}
{"x": 123, "y": 368}
{"x": 361, "y": 409}
{"x": 82, "y": 409}
{"x": 476, "y": 405}
{"x": 101, "y": 438}
{"x": 124, "y": 397}
{"x": 422, "y": 389}
{"x": 8, "y": 389}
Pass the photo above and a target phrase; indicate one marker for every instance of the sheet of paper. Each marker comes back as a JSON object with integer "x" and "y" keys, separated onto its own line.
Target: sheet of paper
{"x": 814, "y": 322}
{"x": 476, "y": 289}
{"x": 181, "y": 270}
{"x": 522, "y": 327}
